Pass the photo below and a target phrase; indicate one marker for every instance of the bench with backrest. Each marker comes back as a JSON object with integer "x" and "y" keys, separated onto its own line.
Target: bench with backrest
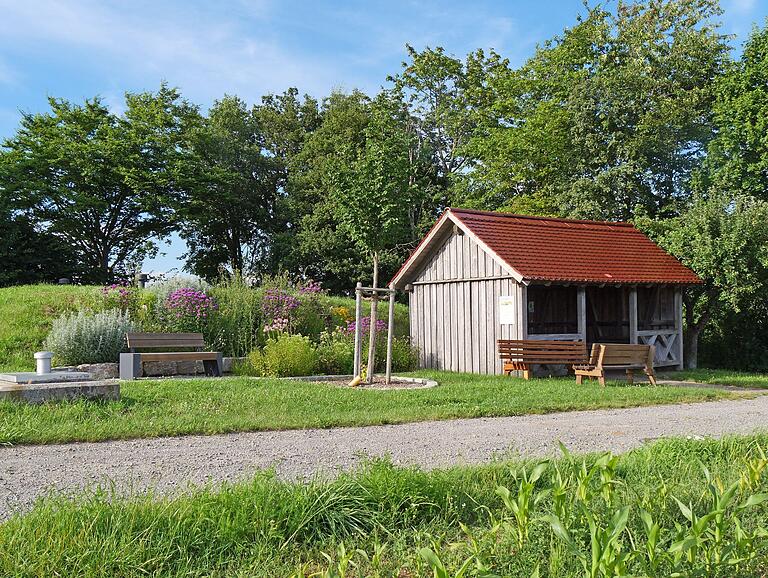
{"x": 617, "y": 356}
{"x": 130, "y": 363}
{"x": 521, "y": 354}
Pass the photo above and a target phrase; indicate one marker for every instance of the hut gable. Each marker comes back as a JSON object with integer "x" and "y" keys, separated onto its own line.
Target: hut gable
{"x": 458, "y": 256}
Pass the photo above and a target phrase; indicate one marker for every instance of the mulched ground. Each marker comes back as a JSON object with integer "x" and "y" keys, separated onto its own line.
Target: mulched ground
{"x": 378, "y": 383}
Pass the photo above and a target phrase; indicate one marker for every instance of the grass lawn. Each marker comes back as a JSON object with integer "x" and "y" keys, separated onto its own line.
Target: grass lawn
{"x": 374, "y": 522}
{"x": 722, "y": 377}
{"x": 207, "y": 406}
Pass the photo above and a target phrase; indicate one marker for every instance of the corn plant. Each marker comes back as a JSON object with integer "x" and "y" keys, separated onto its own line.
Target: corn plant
{"x": 524, "y": 501}
{"x": 606, "y": 556}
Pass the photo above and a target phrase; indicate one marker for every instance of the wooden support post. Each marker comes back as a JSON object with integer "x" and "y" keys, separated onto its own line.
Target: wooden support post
{"x": 633, "y": 315}
{"x": 390, "y": 334}
{"x": 679, "y": 326}
{"x": 373, "y": 318}
{"x": 581, "y": 312}
{"x": 523, "y": 331}
{"x": 358, "y": 335}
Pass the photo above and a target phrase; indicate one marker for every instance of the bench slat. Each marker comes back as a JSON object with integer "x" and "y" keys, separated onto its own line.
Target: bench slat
{"x": 158, "y": 340}
{"x": 180, "y": 356}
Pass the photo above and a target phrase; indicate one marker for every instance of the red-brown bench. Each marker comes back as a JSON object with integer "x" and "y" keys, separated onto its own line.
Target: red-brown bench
{"x": 521, "y": 354}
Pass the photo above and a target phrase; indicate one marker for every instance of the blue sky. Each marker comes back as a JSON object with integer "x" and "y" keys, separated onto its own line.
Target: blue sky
{"x": 80, "y": 48}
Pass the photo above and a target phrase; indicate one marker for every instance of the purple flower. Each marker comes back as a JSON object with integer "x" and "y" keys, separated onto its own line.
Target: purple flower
{"x": 190, "y": 303}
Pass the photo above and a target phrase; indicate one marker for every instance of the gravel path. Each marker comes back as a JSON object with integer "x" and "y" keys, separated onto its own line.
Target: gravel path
{"x": 172, "y": 464}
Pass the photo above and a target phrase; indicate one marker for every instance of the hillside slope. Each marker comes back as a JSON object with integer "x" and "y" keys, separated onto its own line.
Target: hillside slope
{"x": 26, "y": 314}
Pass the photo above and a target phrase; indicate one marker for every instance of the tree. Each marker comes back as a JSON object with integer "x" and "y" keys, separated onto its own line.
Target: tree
{"x": 724, "y": 239}
{"x": 29, "y": 255}
{"x": 737, "y": 158}
{"x": 373, "y": 186}
{"x": 287, "y": 123}
{"x": 99, "y": 182}
{"x": 226, "y": 210}
{"x": 441, "y": 93}
{"x": 612, "y": 115}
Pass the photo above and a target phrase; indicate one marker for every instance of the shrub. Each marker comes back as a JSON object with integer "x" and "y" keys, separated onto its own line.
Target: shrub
{"x": 119, "y": 296}
{"x": 336, "y": 353}
{"x": 89, "y": 337}
{"x": 164, "y": 287}
{"x": 188, "y": 309}
{"x": 285, "y": 356}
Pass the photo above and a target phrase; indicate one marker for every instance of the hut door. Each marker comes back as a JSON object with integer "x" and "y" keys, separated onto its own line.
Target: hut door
{"x": 607, "y": 315}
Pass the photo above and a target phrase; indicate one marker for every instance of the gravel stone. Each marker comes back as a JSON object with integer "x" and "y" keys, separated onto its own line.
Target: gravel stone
{"x": 176, "y": 464}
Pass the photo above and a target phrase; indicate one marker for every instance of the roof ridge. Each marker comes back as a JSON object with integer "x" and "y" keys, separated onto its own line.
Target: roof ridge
{"x": 459, "y": 210}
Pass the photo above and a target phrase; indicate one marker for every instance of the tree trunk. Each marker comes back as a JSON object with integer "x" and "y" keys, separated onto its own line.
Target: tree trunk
{"x": 691, "y": 354}
{"x": 373, "y": 317}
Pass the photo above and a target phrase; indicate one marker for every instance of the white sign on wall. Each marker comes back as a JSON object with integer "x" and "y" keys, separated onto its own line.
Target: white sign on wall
{"x": 507, "y": 310}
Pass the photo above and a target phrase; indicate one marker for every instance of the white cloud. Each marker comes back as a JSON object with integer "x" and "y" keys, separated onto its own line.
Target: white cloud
{"x": 203, "y": 52}
{"x": 743, "y": 6}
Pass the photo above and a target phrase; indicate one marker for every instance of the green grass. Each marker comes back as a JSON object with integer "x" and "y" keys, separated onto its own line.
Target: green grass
{"x": 722, "y": 377}
{"x": 383, "y": 515}
{"x": 207, "y": 406}
{"x": 26, "y": 314}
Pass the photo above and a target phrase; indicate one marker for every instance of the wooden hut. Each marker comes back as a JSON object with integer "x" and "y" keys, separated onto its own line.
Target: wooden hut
{"x": 480, "y": 276}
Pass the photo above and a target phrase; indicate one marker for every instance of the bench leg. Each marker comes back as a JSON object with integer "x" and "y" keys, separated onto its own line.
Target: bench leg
{"x": 527, "y": 373}
{"x": 579, "y": 379}
{"x": 213, "y": 367}
{"x": 651, "y": 376}
{"x": 130, "y": 365}
{"x": 601, "y": 379}
{"x": 631, "y": 376}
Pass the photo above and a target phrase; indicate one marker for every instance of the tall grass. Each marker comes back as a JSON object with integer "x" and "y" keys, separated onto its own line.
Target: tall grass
{"x": 235, "y": 328}
{"x": 382, "y": 520}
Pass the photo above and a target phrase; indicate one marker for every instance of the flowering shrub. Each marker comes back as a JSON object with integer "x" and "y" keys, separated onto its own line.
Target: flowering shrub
{"x": 118, "y": 296}
{"x": 310, "y": 288}
{"x": 188, "y": 309}
{"x": 278, "y": 304}
{"x": 365, "y": 326}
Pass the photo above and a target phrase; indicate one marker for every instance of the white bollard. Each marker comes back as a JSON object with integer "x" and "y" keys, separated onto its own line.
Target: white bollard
{"x": 43, "y": 362}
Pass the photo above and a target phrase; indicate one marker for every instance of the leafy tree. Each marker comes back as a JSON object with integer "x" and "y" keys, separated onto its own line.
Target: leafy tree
{"x": 372, "y": 181}
{"x": 323, "y": 249}
{"x": 724, "y": 239}
{"x": 226, "y": 209}
{"x": 441, "y": 92}
{"x": 28, "y": 255}
{"x": 737, "y": 158}
{"x": 286, "y": 123}
{"x": 99, "y": 182}
{"x": 612, "y": 115}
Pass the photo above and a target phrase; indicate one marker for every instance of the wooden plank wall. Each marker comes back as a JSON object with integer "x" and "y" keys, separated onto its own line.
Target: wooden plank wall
{"x": 454, "y": 308}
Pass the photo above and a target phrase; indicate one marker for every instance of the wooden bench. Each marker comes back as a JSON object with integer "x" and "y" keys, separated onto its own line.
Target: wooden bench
{"x": 521, "y": 354}
{"x": 607, "y": 356}
{"x": 130, "y": 363}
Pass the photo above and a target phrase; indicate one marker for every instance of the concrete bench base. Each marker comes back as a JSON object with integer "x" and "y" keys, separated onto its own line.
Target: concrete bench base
{"x": 131, "y": 363}
{"x": 107, "y": 390}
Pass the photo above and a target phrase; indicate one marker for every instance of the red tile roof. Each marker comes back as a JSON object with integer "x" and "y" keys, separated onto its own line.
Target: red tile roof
{"x": 549, "y": 249}
{"x": 567, "y": 250}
